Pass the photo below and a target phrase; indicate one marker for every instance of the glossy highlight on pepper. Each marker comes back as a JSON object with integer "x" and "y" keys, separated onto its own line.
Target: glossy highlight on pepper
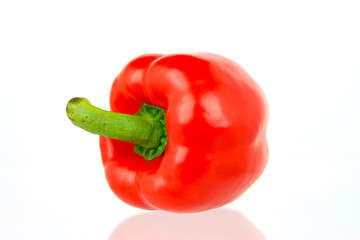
{"x": 215, "y": 120}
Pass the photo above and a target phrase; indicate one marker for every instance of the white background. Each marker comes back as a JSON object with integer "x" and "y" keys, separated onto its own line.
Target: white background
{"x": 304, "y": 54}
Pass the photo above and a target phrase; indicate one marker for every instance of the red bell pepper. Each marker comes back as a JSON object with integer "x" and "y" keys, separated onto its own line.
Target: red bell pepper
{"x": 200, "y": 136}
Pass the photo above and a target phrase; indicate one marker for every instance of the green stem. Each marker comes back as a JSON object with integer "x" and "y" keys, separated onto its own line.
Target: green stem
{"x": 145, "y": 132}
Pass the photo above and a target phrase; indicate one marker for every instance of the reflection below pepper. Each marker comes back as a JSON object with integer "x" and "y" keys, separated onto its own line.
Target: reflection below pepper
{"x": 222, "y": 223}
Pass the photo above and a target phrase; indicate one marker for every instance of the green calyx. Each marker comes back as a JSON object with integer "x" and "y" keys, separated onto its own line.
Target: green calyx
{"x": 158, "y": 114}
{"x": 146, "y": 129}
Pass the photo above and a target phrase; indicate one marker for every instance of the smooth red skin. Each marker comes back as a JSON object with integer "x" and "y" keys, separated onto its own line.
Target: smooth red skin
{"x": 216, "y": 118}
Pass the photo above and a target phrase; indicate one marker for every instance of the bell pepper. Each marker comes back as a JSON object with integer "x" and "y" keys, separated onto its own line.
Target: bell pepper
{"x": 185, "y": 132}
